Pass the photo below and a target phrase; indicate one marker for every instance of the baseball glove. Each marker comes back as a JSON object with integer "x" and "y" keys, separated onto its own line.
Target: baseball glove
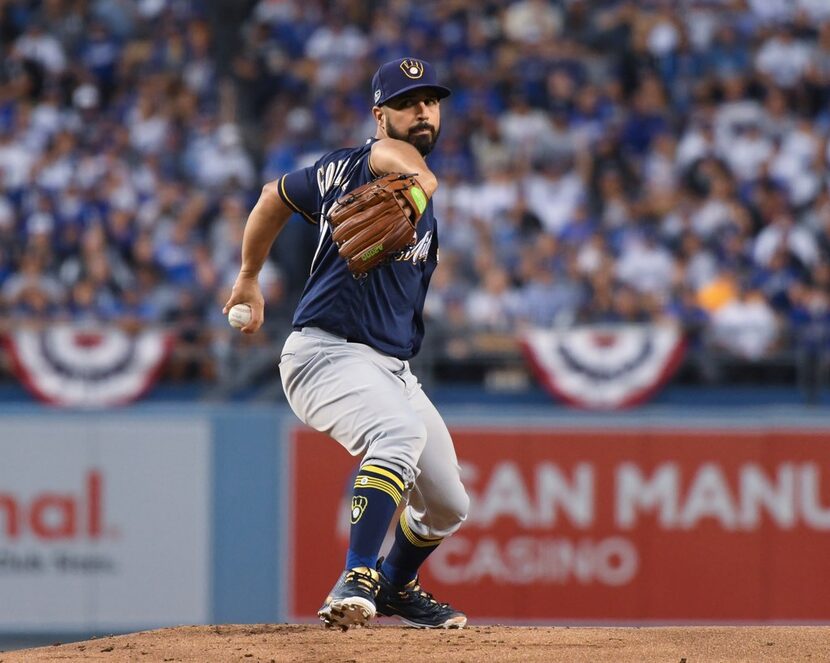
{"x": 376, "y": 222}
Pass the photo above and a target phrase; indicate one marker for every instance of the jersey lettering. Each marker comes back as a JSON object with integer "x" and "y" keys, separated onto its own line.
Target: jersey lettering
{"x": 324, "y": 229}
{"x": 420, "y": 251}
{"x": 330, "y": 176}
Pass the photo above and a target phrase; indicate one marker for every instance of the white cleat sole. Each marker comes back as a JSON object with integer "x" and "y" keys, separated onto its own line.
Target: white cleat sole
{"x": 455, "y": 622}
{"x": 348, "y": 613}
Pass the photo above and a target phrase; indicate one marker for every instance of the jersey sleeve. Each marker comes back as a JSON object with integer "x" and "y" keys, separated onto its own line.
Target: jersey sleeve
{"x": 300, "y": 192}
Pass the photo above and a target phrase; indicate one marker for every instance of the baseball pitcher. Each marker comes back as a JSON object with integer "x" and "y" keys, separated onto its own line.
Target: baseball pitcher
{"x": 345, "y": 366}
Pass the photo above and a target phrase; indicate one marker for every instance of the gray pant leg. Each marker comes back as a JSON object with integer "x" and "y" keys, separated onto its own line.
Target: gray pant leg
{"x": 438, "y": 503}
{"x": 353, "y": 394}
{"x": 372, "y": 404}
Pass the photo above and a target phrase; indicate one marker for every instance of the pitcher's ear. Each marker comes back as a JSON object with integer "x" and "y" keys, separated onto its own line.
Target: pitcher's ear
{"x": 380, "y": 116}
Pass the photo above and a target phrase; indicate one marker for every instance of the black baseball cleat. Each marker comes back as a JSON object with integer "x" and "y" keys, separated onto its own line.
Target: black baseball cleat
{"x": 415, "y": 607}
{"x": 351, "y": 602}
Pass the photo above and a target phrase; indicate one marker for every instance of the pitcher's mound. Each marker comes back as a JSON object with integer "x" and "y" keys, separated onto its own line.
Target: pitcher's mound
{"x": 490, "y": 644}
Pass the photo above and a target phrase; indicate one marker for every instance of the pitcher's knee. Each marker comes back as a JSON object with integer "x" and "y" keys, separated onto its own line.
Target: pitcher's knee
{"x": 458, "y": 507}
{"x": 446, "y": 517}
{"x": 399, "y": 446}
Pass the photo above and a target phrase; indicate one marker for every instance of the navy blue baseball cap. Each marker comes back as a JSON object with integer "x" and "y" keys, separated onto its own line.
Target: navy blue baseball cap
{"x": 402, "y": 75}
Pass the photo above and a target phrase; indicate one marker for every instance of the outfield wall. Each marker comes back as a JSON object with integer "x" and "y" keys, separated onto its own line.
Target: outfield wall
{"x": 162, "y": 515}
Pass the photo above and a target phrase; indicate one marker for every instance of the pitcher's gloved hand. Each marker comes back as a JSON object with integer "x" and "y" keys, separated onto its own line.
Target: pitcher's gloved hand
{"x": 376, "y": 222}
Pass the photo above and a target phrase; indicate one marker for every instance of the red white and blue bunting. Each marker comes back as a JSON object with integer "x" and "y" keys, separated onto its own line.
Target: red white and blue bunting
{"x": 605, "y": 367}
{"x": 73, "y": 366}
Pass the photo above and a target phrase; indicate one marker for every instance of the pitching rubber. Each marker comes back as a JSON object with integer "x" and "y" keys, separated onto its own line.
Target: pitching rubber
{"x": 352, "y": 612}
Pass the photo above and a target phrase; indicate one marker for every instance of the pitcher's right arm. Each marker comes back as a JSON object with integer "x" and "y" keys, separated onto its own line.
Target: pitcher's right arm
{"x": 265, "y": 222}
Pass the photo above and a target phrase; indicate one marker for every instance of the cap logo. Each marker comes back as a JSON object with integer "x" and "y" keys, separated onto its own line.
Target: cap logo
{"x": 377, "y": 95}
{"x": 412, "y": 68}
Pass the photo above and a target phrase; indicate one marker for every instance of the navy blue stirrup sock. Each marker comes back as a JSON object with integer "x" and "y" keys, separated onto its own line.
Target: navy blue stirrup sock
{"x": 407, "y": 554}
{"x": 377, "y": 493}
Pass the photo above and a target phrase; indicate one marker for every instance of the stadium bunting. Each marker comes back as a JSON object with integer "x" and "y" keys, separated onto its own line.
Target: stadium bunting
{"x": 604, "y": 367}
{"x": 73, "y": 366}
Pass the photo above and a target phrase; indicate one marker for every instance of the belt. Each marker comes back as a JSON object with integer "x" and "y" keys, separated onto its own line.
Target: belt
{"x": 323, "y": 333}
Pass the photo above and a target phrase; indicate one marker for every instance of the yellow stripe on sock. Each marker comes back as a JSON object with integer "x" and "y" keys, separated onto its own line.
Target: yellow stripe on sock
{"x": 416, "y": 539}
{"x": 361, "y": 479}
{"x": 386, "y": 473}
{"x": 378, "y": 484}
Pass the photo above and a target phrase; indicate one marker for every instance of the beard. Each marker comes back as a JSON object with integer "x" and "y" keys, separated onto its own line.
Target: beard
{"x": 422, "y": 142}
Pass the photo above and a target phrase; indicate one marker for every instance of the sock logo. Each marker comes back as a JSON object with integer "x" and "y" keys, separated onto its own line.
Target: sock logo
{"x": 359, "y": 504}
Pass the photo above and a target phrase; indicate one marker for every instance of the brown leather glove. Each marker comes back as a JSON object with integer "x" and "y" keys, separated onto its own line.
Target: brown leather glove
{"x": 376, "y": 222}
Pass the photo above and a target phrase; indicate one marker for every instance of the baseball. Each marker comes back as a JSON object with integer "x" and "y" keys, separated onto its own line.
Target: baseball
{"x": 239, "y": 315}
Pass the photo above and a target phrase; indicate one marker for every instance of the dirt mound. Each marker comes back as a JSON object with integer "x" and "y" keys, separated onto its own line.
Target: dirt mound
{"x": 493, "y": 644}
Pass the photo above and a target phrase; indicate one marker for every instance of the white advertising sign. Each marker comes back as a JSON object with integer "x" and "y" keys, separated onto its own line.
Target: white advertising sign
{"x": 104, "y": 522}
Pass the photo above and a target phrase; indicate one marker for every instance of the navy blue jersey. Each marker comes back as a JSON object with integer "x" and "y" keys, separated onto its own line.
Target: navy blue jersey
{"x": 384, "y": 309}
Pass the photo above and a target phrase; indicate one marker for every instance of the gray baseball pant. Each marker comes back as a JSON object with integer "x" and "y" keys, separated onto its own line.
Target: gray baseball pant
{"x": 374, "y": 406}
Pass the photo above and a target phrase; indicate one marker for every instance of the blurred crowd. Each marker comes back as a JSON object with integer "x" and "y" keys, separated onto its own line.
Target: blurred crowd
{"x": 600, "y": 161}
